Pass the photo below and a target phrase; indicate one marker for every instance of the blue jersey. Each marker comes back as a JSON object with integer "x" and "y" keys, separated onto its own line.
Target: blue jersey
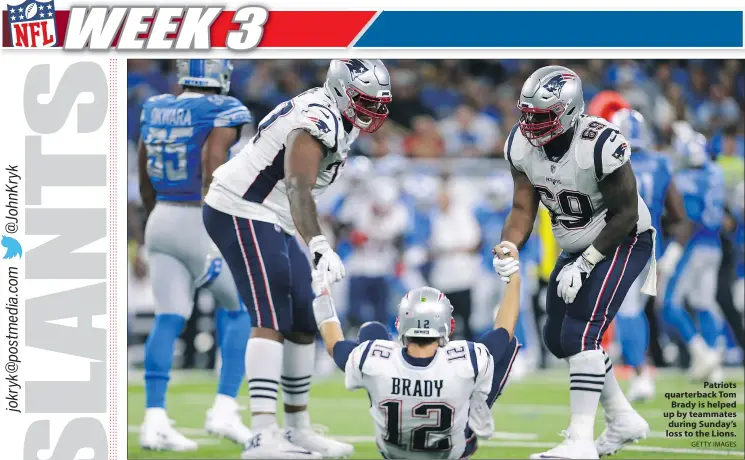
{"x": 174, "y": 130}
{"x": 491, "y": 223}
{"x": 739, "y": 241}
{"x": 703, "y": 194}
{"x": 653, "y": 176}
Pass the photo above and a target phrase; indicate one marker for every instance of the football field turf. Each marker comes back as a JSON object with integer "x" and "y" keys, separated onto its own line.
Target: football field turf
{"x": 528, "y": 418}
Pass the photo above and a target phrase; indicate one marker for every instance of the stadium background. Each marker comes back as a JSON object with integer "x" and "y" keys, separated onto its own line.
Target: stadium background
{"x": 445, "y": 134}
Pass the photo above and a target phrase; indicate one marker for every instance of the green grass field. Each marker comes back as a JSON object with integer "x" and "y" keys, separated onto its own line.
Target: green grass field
{"x": 528, "y": 416}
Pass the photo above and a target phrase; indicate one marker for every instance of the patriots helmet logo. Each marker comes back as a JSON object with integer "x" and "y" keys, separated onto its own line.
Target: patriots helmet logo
{"x": 356, "y": 67}
{"x": 557, "y": 82}
{"x": 320, "y": 124}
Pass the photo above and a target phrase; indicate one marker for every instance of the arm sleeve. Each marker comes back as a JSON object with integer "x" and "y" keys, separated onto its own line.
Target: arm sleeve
{"x": 611, "y": 151}
{"x": 321, "y": 123}
{"x": 231, "y": 113}
{"x": 354, "y": 366}
{"x": 342, "y": 350}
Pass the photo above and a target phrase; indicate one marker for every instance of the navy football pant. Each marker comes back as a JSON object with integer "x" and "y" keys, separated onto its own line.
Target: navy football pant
{"x": 270, "y": 269}
{"x": 579, "y": 326}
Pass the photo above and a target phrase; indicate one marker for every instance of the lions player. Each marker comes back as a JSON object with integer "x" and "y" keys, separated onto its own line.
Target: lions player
{"x": 654, "y": 179}
{"x": 183, "y": 139}
{"x": 257, "y": 202}
{"x": 430, "y": 397}
{"x": 701, "y": 182}
{"x": 578, "y": 166}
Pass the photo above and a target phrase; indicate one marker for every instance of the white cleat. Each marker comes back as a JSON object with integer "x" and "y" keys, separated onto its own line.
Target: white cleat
{"x": 642, "y": 388}
{"x": 704, "y": 360}
{"x": 227, "y": 424}
{"x": 269, "y": 443}
{"x": 311, "y": 439}
{"x": 157, "y": 433}
{"x": 572, "y": 447}
{"x": 624, "y": 429}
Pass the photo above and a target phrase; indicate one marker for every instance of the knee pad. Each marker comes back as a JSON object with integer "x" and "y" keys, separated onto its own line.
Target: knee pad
{"x": 373, "y": 330}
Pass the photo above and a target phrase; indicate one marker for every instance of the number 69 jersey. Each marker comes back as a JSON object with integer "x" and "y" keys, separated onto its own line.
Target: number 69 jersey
{"x": 422, "y": 411}
{"x": 251, "y": 185}
{"x": 174, "y": 129}
{"x": 568, "y": 187}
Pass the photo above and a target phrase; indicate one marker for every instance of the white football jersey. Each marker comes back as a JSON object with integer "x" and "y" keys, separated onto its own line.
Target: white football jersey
{"x": 252, "y": 184}
{"x": 569, "y": 187}
{"x": 422, "y": 412}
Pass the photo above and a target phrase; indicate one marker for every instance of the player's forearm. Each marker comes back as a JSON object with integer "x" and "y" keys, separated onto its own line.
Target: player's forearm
{"x": 510, "y": 306}
{"x": 622, "y": 200}
{"x": 518, "y": 227}
{"x": 616, "y": 230}
{"x": 303, "y": 210}
{"x": 331, "y": 334}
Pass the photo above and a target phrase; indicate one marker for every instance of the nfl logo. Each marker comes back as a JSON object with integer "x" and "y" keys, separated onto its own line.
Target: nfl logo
{"x": 32, "y": 24}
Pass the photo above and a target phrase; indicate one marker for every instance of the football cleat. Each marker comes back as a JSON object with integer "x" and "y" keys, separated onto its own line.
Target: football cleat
{"x": 704, "y": 360}
{"x": 269, "y": 443}
{"x": 642, "y": 388}
{"x": 571, "y": 447}
{"x": 624, "y": 429}
{"x": 313, "y": 439}
{"x": 157, "y": 433}
{"x": 227, "y": 424}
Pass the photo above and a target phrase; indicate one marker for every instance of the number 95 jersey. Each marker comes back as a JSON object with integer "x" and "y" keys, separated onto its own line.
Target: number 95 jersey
{"x": 420, "y": 409}
{"x": 252, "y": 184}
{"x": 568, "y": 187}
{"x": 174, "y": 129}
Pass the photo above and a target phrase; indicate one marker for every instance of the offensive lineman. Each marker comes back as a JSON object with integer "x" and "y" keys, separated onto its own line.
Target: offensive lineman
{"x": 430, "y": 398}
{"x": 183, "y": 139}
{"x": 578, "y": 166}
{"x": 656, "y": 188}
{"x": 257, "y": 202}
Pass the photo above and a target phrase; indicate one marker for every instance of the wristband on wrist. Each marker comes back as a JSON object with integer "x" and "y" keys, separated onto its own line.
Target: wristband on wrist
{"x": 592, "y": 255}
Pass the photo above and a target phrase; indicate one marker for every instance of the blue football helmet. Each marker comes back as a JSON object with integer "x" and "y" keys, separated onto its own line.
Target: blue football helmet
{"x": 633, "y": 127}
{"x": 205, "y": 73}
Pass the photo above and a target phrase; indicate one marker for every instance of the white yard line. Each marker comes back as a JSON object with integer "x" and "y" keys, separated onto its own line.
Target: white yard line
{"x": 507, "y": 440}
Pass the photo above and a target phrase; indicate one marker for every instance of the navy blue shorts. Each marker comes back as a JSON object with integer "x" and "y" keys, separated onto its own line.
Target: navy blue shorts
{"x": 570, "y": 329}
{"x": 270, "y": 269}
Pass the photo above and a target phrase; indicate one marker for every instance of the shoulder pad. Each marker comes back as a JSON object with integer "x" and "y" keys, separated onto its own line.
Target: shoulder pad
{"x": 159, "y": 97}
{"x": 601, "y": 146}
{"x": 322, "y": 122}
{"x": 228, "y": 111}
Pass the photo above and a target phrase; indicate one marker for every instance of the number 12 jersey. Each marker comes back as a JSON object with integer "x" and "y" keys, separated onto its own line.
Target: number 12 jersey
{"x": 252, "y": 184}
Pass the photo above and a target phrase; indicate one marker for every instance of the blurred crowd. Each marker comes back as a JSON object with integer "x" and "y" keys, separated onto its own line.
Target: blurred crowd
{"x": 423, "y": 199}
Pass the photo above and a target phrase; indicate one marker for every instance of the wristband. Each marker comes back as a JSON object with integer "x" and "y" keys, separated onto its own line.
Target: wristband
{"x": 592, "y": 255}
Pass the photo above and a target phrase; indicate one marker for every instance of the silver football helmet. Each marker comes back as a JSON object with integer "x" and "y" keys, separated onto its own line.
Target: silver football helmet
{"x": 551, "y": 101}
{"x": 633, "y": 127}
{"x": 362, "y": 91}
{"x": 205, "y": 73}
{"x": 425, "y": 312}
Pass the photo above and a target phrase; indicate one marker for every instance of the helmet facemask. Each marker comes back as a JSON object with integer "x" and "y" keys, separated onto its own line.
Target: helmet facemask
{"x": 366, "y": 112}
{"x": 540, "y": 126}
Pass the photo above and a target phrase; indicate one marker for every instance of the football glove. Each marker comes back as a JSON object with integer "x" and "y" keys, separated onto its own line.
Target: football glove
{"x": 508, "y": 265}
{"x": 325, "y": 260}
{"x": 212, "y": 268}
{"x": 323, "y": 305}
{"x": 572, "y": 276}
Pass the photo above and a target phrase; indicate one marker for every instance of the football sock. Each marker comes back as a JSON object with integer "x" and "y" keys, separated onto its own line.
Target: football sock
{"x": 680, "y": 320}
{"x": 586, "y": 378}
{"x": 612, "y": 397}
{"x": 237, "y": 329}
{"x": 159, "y": 357}
{"x": 634, "y": 338}
{"x": 297, "y": 371}
{"x": 221, "y": 320}
{"x": 297, "y": 419}
{"x": 709, "y": 326}
{"x": 264, "y": 366}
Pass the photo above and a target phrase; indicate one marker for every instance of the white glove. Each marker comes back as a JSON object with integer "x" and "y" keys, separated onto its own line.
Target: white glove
{"x": 572, "y": 276}
{"x": 323, "y": 305}
{"x": 669, "y": 260}
{"x": 326, "y": 260}
{"x": 506, "y": 266}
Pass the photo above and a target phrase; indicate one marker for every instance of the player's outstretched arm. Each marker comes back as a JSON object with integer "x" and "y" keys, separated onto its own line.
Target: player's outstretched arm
{"x": 147, "y": 191}
{"x": 509, "y": 309}
{"x": 519, "y": 223}
{"x": 680, "y": 228}
{"x": 302, "y": 156}
{"x": 325, "y": 312}
{"x": 215, "y": 152}
{"x": 621, "y": 198}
